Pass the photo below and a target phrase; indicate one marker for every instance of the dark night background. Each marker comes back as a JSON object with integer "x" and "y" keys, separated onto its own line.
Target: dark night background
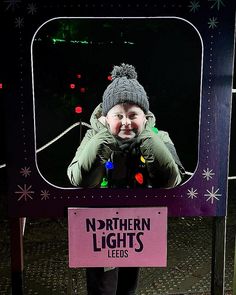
{"x": 167, "y": 57}
{"x": 166, "y": 54}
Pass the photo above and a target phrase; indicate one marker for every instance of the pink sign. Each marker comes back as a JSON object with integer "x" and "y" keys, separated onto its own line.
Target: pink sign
{"x": 117, "y": 237}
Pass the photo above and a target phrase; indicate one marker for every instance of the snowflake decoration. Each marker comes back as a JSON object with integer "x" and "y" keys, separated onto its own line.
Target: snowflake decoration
{"x": 194, "y": 6}
{"x": 192, "y": 193}
{"x": 19, "y": 22}
{"x": 208, "y": 173}
{"x": 45, "y": 195}
{"x": 25, "y": 171}
{"x": 212, "y": 195}
{"x": 12, "y": 4}
{"x": 217, "y": 3}
{"x": 213, "y": 22}
{"x": 31, "y": 8}
{"x": 24, "y": 192}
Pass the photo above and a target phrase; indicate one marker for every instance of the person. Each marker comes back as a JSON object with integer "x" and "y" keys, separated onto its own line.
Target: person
{"x": 123, "y": 149}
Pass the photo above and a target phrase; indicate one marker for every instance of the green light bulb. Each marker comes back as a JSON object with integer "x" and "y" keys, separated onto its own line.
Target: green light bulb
{"x": 155, "y": 130}
{"x": 104, "y": 182}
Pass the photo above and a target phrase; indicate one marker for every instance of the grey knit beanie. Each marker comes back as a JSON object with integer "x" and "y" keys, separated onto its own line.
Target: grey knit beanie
{"x": 124, "y": 88}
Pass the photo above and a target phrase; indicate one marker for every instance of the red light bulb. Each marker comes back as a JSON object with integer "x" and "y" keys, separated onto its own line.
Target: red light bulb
{"x": 72, "y": 86}
{"x": 139, "y": 177}
{"x": 109, "y": 77}
{"x": 78, "y": 110}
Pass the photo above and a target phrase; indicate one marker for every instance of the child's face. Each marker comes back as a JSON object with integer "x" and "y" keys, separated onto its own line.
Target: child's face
{"x": 126, "y": 120}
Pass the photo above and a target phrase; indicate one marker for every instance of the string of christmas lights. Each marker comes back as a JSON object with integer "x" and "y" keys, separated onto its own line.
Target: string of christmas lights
{"x": 109, "y": 164}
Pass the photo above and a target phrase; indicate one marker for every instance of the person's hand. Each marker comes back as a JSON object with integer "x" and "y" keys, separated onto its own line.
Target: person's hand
{"x": 106, "y": 143}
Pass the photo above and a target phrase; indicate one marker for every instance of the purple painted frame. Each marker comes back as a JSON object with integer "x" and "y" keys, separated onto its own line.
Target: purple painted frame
{"x": 204, "y": 194}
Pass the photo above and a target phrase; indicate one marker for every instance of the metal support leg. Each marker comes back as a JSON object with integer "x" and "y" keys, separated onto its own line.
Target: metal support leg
{"x": 234, "y": 278}
{"x": 16, "y": 238}
{"x": 218, "y": 256}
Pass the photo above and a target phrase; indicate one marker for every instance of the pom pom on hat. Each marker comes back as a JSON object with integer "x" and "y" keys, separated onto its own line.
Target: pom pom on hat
{"x": 124, "y": 71}
{"x": 124, "y": 88}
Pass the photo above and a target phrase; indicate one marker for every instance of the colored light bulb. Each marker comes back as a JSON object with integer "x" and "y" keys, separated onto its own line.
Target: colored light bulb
{"x": 155, "y": 130}
{"x": 109, "y": 165}
{"x": 78, "y": 110}
{"x": 142, "y": 159}
{"x": 109, "y": 77}
{"x": 72, "y": 86}
{"x": 139, "y": 177}
{"x": 104, "y": 182}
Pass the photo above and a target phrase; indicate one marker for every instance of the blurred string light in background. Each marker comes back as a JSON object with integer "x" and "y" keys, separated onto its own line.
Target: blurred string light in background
{"x": 78, "y": 110}
{"x": 109, "y": 165}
